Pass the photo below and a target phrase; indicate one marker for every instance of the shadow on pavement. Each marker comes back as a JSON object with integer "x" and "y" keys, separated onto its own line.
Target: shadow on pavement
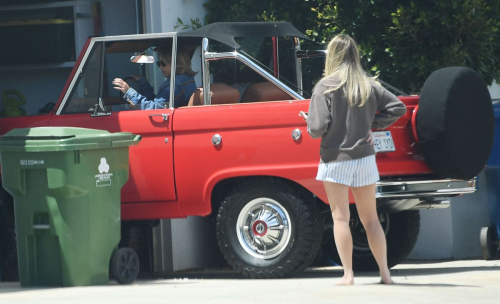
{"x": 9, "y": 287}
{"x": 397, "y": 284}
{"x": 316, "y": 273}
{"x": 197, "y": 275}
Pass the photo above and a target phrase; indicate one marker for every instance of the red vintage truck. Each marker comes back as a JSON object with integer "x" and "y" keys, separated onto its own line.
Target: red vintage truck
{"x": 240, "y": 153}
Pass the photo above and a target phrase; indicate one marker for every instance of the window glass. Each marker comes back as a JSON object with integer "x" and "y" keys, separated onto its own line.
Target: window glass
{"x": 312, "y": 67}
{"x": 312, "y": 71}
{"x": 113, "y": 59}
{"x": 238, "y": 83}
{"x": 86, "y": 91}
{"x": 261, "y": 49}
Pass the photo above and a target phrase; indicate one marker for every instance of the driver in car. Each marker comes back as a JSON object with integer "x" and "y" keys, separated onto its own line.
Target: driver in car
{"x": 146, "y": 98}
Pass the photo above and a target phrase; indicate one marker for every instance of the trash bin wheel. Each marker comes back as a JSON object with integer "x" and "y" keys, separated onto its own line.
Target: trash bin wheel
{"x": 489, "y": 242}
{"x": 124, "y": 265}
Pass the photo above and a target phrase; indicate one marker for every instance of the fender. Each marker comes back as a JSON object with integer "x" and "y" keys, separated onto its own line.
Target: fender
{"x": 303, "y": 174}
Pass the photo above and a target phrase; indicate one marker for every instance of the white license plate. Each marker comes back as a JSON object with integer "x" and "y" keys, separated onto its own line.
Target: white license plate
{"x": 382, "y": 141}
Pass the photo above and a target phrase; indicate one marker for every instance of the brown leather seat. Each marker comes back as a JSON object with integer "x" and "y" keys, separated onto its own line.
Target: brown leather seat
{"x": 263, "y": 91}
{"x": 220, "y": 93}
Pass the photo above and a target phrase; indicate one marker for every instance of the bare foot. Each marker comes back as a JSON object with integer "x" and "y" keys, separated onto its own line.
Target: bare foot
{"x": 385, "y": 277}
{"x": 345, "y": 281}
{"x": 387, "y": 281}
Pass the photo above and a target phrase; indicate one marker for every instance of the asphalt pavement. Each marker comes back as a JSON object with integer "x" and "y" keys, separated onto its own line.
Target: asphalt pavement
{"x": 470, "y": 281}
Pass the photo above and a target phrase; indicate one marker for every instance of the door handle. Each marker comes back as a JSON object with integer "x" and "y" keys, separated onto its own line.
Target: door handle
{"x": 165, "y": 116}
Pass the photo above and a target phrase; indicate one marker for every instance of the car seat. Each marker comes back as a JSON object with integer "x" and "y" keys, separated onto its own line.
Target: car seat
{"x": 220, "y": 94}
{"x": 263, "y": 91}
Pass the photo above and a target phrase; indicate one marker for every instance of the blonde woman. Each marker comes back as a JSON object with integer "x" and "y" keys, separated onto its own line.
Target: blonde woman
{"x": 345, "y": 106}
{"x": 146, "y": 98}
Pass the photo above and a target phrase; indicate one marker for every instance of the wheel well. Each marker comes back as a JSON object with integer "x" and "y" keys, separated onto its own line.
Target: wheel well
{"x": 224, "y": 186}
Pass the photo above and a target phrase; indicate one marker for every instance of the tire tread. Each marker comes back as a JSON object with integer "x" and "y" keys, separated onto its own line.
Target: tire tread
{"x": 310, "y": 232}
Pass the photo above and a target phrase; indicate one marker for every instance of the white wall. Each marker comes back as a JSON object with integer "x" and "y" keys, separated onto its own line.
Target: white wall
{"x": 161, "y": 16}
{"x": 453, "y": 233}
{"x": 495, "y": 91}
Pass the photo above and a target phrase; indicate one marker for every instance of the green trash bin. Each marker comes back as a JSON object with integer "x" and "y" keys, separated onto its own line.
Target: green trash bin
{"x": 66, "y": 185}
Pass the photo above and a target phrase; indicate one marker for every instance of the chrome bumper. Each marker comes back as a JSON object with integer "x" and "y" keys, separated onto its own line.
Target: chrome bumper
{"x": 406, "y": 189}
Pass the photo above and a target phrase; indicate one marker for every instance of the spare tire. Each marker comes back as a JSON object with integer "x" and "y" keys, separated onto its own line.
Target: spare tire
{"x": 455, "y": 122}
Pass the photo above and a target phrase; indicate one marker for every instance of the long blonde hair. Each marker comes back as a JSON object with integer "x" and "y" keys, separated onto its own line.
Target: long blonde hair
{"x": 183, "y": 63}
{"x": 342, "y": 62}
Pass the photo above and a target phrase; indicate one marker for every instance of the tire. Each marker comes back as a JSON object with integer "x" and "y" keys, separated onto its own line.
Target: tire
{"x": 401, "y": 230}
{"x": 124, "y": 265}
{"x": 455, "y": 122}
{"x": 488, "y": 239}
{"x": 8, "y": 251}
{"x": 270, "y": 210}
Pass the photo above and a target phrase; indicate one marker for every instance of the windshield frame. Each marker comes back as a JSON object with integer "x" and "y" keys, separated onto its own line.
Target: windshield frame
{"x": 95, "y": 40}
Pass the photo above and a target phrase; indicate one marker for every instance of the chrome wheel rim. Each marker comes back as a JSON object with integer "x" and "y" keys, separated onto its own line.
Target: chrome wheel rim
{"x": 263, "y": 228}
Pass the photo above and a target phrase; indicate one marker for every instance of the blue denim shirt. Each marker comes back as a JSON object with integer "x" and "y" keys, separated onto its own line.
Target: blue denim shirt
{"x": 184, "y": 88}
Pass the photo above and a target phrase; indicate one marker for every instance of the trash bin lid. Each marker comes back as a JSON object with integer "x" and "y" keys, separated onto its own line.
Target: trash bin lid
{"x": 43, "y": 139}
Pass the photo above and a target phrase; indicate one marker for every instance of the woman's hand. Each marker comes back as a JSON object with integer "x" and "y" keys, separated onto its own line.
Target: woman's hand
{"x": 120, "y": 85}
{"x": 370, "y": 138}
{"x": 303, "y": 114}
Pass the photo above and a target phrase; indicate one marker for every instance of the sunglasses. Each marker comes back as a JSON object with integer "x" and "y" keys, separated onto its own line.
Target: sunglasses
{"x": 161, "y": 63}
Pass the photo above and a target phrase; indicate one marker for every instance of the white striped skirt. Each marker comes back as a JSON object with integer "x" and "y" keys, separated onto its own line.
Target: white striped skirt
{"x": 353, "y": 173}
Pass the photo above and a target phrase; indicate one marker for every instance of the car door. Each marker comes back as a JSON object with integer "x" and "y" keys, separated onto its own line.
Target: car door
{"x": 151, "y": 162}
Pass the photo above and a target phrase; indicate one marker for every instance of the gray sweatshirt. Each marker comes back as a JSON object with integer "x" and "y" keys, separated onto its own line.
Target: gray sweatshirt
{"x": 344, "y": 129}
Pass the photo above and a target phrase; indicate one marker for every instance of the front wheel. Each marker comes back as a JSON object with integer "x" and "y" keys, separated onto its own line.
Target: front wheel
{"x": 266, "y": 229}
{"x": 401, "y": 230}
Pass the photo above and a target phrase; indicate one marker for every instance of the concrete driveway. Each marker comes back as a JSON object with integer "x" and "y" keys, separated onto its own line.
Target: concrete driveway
{"x": 471, "y": 281}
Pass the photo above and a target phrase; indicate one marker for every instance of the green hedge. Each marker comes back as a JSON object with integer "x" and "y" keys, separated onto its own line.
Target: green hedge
{"x": 402, "y": 41}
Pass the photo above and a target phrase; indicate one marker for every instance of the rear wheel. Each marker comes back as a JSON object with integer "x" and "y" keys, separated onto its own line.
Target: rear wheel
{"x": 401, "y": 230}
{"x": 266, "y": 229}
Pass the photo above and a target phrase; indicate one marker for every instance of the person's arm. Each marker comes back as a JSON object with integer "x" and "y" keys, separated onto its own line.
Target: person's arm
{"x": 389, "y": 108}
{"x": 133, "y": 97}
{"x": 158, "y": 102}
{"x": 319, "y": 117}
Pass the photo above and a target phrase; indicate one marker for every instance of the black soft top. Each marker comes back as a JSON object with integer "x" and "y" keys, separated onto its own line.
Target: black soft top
{"x": 225, "y": 32}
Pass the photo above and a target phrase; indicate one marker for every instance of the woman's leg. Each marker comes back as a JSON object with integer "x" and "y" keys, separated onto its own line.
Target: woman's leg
{"x": 367, "y": 210}
{"x": 338, "y": 196}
